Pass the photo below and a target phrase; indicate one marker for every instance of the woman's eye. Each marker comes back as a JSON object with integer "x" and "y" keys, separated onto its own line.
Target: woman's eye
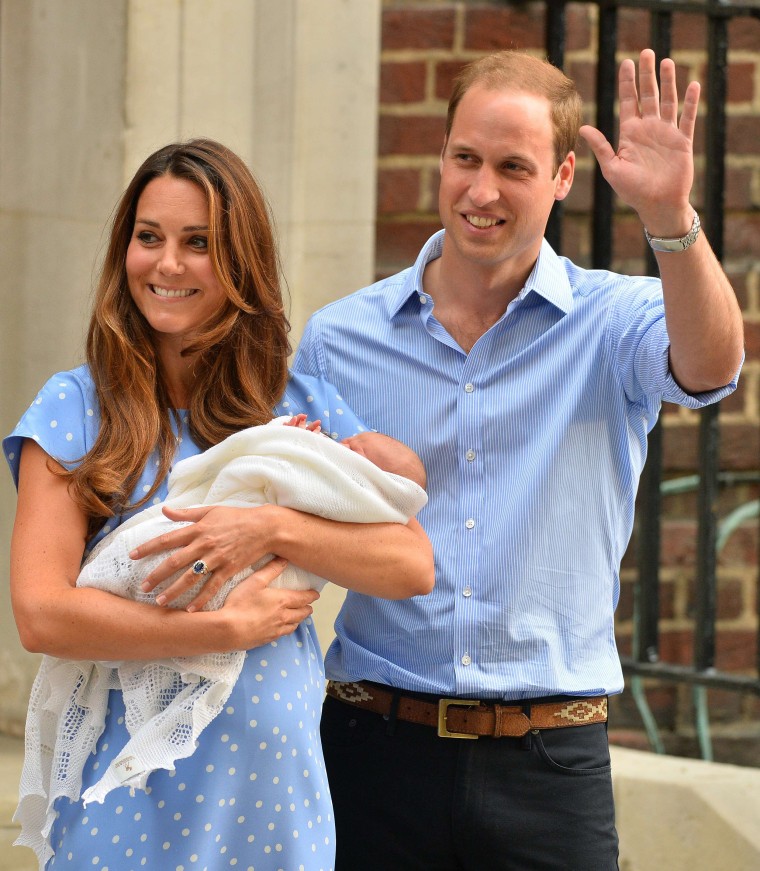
{"x": 200, "y": 243}
{"x": 147, "y": 237}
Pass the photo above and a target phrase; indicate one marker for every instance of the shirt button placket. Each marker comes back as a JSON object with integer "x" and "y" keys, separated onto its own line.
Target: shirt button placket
{"x": 465, "y": 658}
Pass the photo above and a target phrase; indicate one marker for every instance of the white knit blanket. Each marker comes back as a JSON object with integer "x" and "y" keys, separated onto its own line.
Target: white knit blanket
{"x": 169, "y": 702}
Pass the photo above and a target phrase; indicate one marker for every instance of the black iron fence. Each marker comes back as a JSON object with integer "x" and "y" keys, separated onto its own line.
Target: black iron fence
{"x": 645, "y": 660}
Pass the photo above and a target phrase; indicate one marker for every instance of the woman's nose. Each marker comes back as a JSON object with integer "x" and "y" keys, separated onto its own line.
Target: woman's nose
{"x": 170, "y": 262}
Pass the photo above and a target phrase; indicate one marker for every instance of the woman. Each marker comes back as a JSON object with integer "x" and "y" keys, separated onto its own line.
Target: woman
{"x": 188, "y": 344}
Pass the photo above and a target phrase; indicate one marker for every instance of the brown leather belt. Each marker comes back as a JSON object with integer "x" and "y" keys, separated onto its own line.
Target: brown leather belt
{"x": 465, "y": 718}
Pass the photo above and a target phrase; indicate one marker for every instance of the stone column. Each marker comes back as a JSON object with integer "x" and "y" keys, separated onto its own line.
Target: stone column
{"x": 61, "y": 98}
{"x": 88, "y": 89}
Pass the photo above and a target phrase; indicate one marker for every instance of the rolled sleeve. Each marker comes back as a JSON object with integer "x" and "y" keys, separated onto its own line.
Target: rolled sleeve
{"x": 642, "y": 346}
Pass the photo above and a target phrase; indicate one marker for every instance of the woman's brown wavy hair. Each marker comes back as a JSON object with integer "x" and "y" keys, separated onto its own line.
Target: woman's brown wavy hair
{"x": 241, "y": 364}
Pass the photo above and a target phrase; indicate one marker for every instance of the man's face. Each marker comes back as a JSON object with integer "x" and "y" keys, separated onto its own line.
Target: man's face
{"x": 498, "y": 181}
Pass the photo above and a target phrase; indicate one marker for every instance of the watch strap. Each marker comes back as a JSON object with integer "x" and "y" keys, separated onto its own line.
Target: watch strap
{"x": 678, "y": 244}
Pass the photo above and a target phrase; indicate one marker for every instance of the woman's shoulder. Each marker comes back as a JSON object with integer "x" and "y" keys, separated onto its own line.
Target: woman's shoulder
{"x": 62, "y": 419}
{"x": 67, "y": 395}
{"x": 79, "y": 379}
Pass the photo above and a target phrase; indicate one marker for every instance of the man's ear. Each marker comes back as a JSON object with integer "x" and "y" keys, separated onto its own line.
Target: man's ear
{"x": 564, "y": 178}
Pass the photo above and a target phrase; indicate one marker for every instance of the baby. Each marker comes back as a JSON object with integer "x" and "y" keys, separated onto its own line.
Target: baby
{"x": 369, "y": 478}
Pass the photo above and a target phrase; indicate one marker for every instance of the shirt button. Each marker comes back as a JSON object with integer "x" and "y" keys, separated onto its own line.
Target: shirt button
{"x": 466, "y": 659}
{"x": 467, "y": 592}
{"x": 469, "y": 523}
{"x": 470, "y": 455}
{"x": 468, "y": 388}
{"x": 423, "y": 300}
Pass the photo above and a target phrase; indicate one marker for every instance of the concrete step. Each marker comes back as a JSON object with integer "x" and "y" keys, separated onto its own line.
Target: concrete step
{"x": 11, "y": 757}
{"x": 675, "y": 813}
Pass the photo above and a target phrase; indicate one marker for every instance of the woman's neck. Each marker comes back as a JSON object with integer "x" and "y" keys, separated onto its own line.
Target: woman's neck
{"x": 179, "y": 376}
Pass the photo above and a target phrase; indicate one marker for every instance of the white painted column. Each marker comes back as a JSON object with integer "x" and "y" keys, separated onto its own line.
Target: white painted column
{"x": 89, "y": 88}
{"x": 61, "y": 99}
{"x": 315, "y": 141}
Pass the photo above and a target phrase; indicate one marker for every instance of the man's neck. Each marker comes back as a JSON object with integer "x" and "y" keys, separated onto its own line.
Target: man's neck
{"x": 468, "y": 301}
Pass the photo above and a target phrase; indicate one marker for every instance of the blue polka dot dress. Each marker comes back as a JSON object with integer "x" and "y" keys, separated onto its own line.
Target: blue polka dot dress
{"x": 254, "y": 794}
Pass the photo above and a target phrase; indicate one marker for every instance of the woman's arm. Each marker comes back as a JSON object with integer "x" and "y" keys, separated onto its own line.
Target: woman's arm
{"x": 390, "y": 560}
{"x": 56, "y": 617}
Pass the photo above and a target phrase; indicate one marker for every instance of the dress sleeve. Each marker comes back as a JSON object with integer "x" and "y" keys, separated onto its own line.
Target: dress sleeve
{"x": 319, "y": 400}
{"x": 63, "y": 420}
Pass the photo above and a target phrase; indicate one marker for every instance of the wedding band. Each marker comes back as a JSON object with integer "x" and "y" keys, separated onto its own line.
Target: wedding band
{"x": 200, "y": 568}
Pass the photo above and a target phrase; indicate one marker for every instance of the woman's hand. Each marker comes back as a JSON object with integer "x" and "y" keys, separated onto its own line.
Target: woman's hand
{"x": 390, "y": 560}
{"x": 262, "y": 615}
{"x": 56, "y": 617}
{"x": 228, "y": 540}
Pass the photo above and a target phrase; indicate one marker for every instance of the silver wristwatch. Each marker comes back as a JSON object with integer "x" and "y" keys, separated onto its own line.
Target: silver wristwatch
{"x": 673, "y": 245}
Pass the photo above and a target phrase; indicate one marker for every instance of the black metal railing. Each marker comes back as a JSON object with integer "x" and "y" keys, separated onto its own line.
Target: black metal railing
{"x": 645, "y": 660}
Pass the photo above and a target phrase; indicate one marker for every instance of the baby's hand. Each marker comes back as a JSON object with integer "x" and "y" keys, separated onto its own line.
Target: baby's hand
{"x": 300, "y": 421}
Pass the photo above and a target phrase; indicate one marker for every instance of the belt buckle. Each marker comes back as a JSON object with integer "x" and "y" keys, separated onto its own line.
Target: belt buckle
{"x": 443, "y": 707}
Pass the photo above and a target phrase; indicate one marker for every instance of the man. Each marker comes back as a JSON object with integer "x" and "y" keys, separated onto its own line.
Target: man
{"x": 528, "y": 386}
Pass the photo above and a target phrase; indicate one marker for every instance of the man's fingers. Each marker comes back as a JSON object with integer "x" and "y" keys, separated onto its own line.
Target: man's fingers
{"x": 597, "y": 142}
{"x": 628, "y": 96}
{"x": 689, "y": 111}
{"x": 669, "y": 91}
{"x": 649, "y": 92}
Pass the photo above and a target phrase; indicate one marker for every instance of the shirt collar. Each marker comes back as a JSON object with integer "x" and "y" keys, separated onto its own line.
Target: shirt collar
{"x": 411, "y": 283}
{"x": 548, "y": 278}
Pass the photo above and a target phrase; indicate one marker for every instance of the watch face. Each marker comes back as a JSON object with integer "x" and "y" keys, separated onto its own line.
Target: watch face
{"x": 681, "y": 244}
{"x": 668, "y": 244}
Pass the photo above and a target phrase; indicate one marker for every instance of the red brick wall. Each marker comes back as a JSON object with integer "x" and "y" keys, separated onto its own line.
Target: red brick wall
{"x": 424, "y": 44}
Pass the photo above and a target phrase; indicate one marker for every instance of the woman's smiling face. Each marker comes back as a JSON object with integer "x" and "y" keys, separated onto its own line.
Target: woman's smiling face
{"x": 169, "y": 271}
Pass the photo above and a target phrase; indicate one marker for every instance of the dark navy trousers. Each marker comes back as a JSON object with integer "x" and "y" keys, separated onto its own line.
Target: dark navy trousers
{"x": 408, "y": 800}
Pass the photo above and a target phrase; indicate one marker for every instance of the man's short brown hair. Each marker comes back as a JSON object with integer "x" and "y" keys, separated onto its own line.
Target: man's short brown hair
{"x": 517, "y": 71}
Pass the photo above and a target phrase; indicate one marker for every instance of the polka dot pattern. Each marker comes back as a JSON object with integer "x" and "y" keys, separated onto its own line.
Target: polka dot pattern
{"x": 238, "y": 801}
{"x": 254, "y": 794}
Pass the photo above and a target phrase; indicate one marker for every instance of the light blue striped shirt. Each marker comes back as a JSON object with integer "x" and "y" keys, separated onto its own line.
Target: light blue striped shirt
{"x": 533, "y": 444}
